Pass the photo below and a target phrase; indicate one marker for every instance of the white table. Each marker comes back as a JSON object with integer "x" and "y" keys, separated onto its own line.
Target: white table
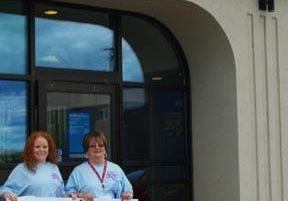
{"x": 34, "y": 198}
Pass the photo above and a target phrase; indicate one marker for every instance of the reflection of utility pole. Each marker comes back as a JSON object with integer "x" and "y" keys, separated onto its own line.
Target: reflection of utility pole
{"x": 110, "y": 56}
{"x": 9, "y": 153}
{"x": 3, "y": 131}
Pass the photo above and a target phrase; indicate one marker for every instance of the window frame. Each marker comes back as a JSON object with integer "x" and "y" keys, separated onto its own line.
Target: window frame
{"x": 114, "y": 78}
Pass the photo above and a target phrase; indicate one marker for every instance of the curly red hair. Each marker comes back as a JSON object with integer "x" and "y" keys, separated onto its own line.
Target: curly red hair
{"x": 28, "y": 156}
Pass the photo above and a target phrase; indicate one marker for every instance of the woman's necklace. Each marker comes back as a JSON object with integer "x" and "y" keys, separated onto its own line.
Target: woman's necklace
{"x": 101, "y": 178}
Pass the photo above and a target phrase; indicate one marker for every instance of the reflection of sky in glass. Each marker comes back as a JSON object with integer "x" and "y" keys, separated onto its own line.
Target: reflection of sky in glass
{"x": 13, "y": 115}
{"x": 65, "y": 44}
{"x": 13, "y": 43}
{"x": 133, "y": 98}
{"x": 132, "y": 69}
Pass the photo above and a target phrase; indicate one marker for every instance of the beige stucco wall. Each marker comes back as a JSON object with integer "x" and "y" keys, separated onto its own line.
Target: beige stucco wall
{"x": 259, "y": 43}
{"x": 238, "y": 65}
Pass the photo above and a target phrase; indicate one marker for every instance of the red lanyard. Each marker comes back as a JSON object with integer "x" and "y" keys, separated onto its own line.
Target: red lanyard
{"x": 101, "y": 179}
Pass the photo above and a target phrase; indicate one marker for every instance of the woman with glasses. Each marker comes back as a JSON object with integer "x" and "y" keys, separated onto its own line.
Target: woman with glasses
{"x": 97, "y": 177}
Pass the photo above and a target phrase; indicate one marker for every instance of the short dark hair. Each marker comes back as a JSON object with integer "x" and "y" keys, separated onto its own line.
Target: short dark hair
{"x": 95, "y": 135}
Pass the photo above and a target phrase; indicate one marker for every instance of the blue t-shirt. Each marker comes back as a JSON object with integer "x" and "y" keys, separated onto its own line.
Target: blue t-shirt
{"x": 84, "y": 179}
{"x": 45, "y": 182}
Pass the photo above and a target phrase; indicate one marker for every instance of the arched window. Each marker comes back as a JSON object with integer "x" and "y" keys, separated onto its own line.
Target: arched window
{"x": 154, "y": 111}
{"x": 148, "y": 53}
{"x": 119, "y": 72}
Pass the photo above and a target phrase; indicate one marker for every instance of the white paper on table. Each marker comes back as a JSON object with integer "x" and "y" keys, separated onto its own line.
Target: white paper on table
{"x": 34, "y": 198}
{"x": 26, "y": 198}
{"x": 110, "y": 199}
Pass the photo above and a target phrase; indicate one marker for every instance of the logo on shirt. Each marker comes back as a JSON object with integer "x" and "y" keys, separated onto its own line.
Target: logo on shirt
{"x": 54, "y": 176}
{"x": 111, "y": 175}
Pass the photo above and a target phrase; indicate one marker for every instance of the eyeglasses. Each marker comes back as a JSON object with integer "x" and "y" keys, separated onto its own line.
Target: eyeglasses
{"x": 96, "y": 145}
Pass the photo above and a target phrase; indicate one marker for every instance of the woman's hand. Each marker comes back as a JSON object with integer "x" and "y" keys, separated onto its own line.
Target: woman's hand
{"x": 10, "y": 196}
{"x": 73, "y": 196}
{"x": 127, "y": 195}
{"x": 86, "y": 196}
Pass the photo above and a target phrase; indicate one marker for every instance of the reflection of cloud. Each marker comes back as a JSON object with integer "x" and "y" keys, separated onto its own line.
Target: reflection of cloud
{"x": 49, "y": 59}
{"x": 74, "y": 44}
{"x": 132, "y": 69}
{"x": 13, "y": 38}
{"x": 13, "y": 115}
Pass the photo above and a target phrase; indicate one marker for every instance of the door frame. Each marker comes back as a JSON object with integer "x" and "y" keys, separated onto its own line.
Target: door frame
{"x": 45, "y": 85}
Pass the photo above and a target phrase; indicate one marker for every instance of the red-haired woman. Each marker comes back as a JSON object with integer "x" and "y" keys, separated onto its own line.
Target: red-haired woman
{"x": 39, "y": 174}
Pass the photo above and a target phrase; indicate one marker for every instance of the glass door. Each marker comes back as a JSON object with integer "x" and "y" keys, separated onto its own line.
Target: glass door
{"x": 69, "y": 110}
